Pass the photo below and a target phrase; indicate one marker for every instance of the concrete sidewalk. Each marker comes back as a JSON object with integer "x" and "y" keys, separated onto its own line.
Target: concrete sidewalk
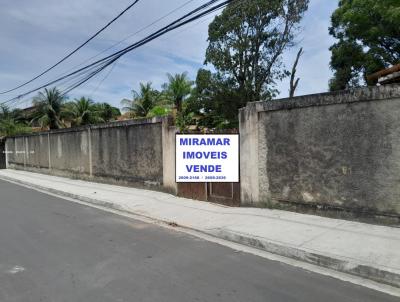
{"x": 360, "y": 249}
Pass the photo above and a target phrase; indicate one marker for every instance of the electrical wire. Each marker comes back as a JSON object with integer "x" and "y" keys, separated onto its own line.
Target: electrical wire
{"x": 75, "y": 50}
{"x": 103, "y": 79}
{"x": 130, "y": 36}
{"x": 147, "y": 40}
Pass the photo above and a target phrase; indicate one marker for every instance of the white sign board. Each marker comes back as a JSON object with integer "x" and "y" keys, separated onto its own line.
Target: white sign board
{"x": 207, "y": 158}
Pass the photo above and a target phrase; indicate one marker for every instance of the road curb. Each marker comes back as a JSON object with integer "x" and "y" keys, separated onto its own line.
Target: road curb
{"x": 341, "y": 265}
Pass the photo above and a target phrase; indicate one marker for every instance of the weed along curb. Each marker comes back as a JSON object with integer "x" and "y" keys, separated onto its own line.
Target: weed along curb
{"x": 349, "y": 266}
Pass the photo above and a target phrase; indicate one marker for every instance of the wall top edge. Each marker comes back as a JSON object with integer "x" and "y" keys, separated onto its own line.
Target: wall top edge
{"x": 116, "y": 124}
{"x": 364, "y": 94}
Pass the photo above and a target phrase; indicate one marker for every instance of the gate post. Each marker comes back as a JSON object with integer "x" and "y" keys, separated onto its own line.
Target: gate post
{"x": 249, "y": 136}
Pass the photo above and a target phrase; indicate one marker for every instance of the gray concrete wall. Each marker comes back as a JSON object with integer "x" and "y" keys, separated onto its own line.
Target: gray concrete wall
{"x": 336, "y": 150}
{"x": 69, "y": 153}
{"x": 127, "y": 152}
{"x": 130, "y": 154}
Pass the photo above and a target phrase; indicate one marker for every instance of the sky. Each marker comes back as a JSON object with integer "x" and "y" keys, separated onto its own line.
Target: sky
{"x": 35, "y": 34}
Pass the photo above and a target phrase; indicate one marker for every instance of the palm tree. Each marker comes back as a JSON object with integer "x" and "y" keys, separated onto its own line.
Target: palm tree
{"x": 142, "y": 102}
{"x": 49, "y": 108}
{"x": 178, "y": 88}
{"x": 81, "y": 112}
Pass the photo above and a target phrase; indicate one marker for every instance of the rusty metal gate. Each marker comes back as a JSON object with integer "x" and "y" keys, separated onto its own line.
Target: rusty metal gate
{"x": 223, "y": 193}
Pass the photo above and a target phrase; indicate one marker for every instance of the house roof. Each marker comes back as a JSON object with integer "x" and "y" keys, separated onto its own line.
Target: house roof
{"x": 389, "y": 75}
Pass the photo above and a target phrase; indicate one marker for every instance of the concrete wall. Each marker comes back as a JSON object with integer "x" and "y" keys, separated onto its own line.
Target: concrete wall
{"x": 336, "y": 150}
{"x": 127, "y": 152}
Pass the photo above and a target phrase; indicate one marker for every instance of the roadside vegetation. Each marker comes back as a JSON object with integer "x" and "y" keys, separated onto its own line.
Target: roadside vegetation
{"x": 12, "y": 123}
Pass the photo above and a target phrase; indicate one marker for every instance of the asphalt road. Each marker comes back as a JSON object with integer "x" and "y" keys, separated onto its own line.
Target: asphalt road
{"x": 56, "y": 250}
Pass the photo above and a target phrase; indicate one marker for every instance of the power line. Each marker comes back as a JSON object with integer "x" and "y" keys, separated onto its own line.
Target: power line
{"x": 149, "y": 39}
{"x": 110, "y": 56}
{"x": 116, "y": 44}
{"x": 128, "y": 37}
{"x": 187, "y": 28}
{"x": 67, "y": 78}
{"x": 103, "y": 79}
{"x": 156, "y": 35}
{"x": 134, "y": 34}
{"x": 101, "y": 64}
{"x": 75, "y": 50}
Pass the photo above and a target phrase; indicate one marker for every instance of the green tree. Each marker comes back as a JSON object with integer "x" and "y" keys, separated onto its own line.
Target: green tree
{"x": 178, "y": 89}
{"x": 184, "y": 120}
{"x": 159, "y": 111}
{"x": 213, "y": 98}
{"x": 106, "y": 112}
{"x": 142, "y": 102}
{"x": 49, "y": 105}
{"x": 82, "y": 112}
{"x": 246, "y": 43}
{"x": 368, "y": 33}
{"x": 10, "y": 125}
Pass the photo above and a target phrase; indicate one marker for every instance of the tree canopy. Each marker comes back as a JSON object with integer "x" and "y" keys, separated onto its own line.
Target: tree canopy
{"x": 368, "y": 33}
{"x": 246, "y": 43}
{"x": 49, "y": 104}
{"x": 247, "y": 40}
{"x": 178, "y": 89}
{"x": 82, "y": 112}
{"x": 143, "y": 101}
{"x": 10, "y": 123}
